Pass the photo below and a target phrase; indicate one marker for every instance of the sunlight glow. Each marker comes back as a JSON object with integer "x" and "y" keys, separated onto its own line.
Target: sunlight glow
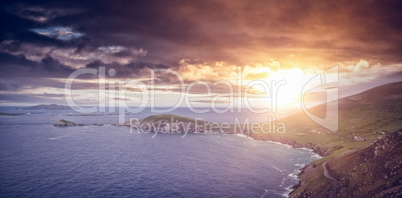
{"x": 289, "y": 92}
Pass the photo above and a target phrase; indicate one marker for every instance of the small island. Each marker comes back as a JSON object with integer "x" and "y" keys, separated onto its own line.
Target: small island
{"x": 65, "y": 123}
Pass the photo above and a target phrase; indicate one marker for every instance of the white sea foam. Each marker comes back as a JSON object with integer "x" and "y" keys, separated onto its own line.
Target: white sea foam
{"x": 286, "y": 145}
{"x": 292, "y": 175}
{"x": 277, "y": 169}
{"x": 275, "y": 192}
{"x": 300, "y": 165}
{"x": 56, "y": 138}
{"x": 242, "y": 135}
{"x": 59, "y": 137}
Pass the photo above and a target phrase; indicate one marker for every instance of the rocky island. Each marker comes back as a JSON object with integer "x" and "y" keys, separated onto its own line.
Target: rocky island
{"x": 65, "y": 123}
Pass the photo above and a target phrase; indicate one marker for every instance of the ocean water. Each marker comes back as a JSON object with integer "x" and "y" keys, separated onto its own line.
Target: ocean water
{"x": 38, "y": 159}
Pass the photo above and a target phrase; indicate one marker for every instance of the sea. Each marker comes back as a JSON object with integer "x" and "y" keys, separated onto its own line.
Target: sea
{"x": 38, "y": 159}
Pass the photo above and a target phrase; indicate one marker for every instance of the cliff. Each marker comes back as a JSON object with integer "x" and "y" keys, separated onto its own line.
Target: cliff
{"x": 374, "y": 171}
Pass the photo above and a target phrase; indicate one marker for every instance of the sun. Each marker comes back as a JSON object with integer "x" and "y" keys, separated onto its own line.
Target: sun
{"x": 276, "y": 88}
{"x": 290, "y": 81}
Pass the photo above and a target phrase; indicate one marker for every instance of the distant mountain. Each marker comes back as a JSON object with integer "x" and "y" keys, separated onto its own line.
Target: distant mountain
{"x": 48, "y": 107}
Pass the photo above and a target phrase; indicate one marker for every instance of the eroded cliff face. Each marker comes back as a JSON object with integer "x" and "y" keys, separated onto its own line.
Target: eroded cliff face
{"x": 373, "y": 171}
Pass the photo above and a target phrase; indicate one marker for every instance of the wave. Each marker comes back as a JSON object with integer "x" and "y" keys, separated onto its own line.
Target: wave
{"x": 286, "y": 145}
{"x": 277, "y": 169}
{"x": 59, "y": 137}
{"x": 244, "y": 136}
{"x": 300, "y": 165}
{"x": 285, "y": 194}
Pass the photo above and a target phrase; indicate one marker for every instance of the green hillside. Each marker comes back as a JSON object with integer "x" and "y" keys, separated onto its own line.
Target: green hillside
{"x": 363, "y": 119}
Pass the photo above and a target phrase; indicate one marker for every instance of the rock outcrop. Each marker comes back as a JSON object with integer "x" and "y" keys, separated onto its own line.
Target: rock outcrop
{"x": 65, "y": 123}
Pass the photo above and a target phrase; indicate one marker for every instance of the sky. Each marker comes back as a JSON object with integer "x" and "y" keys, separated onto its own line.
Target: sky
{"x": 193, "y": 44}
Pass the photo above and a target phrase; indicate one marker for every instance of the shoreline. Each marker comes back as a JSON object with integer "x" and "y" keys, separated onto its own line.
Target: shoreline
{"x": 293, "y": 146}
{"x": 299, "y": 171}
{"x": 284, "y": 141}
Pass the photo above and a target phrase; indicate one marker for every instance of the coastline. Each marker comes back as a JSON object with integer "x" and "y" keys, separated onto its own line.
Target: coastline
{"x": 298, "y": 172}
{"x": 294, "y": 145}
{"x": 284, "y": 141}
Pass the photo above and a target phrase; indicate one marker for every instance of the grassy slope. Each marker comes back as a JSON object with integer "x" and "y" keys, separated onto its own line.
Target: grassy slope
{"x": 367, "y": 115}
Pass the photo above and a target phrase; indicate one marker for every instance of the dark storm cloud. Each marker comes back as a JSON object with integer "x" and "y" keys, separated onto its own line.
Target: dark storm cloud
{"x": 51, "y": 39}
{"x": 129, "y": 70}
{"x": 219, "y": 30}
{"x": 16, "y": 28}
{"x": 10, "y": 86}
{"x": 18, "y": 66}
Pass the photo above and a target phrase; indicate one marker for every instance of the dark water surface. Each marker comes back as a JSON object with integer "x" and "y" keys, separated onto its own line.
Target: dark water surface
{"x": 40, "y": 160}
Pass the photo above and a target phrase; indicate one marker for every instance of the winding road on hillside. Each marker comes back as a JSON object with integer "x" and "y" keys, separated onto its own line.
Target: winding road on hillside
{"x": 335, "y": 183}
